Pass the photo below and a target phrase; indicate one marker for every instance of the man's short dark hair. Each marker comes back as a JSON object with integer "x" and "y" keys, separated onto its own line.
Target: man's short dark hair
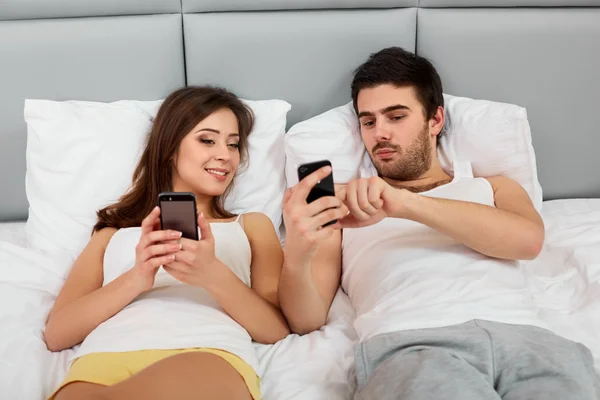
{"x": 401, "y": 68}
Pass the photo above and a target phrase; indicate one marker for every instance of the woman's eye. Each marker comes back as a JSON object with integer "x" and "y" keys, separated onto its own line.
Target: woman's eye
{"x": 207, "y": 141}
{"x": 234, "y": 145}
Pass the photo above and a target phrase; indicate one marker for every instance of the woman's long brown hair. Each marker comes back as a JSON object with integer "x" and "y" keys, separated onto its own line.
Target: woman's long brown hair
{"x": 180, "y": 112}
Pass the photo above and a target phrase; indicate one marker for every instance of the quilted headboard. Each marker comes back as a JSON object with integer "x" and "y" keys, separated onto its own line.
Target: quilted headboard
{"x": 534, "y": 53}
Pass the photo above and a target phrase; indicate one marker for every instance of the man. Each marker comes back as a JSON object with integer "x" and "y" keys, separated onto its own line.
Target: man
{"x": 429, "y": 260}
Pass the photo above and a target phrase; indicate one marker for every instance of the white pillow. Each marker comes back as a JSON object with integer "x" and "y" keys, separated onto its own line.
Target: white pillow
{"x": 260, "y": 184}
{"x": 494, "y": 137}
{"x": 81, "y": 156}
{"x": 333, "y": 135}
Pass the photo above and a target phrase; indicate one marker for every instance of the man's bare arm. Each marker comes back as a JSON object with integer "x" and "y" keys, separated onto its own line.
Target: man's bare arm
{"x": 312, "y": 255}
{"x": 306, "y": 291}
{"x": 511, "y": 230}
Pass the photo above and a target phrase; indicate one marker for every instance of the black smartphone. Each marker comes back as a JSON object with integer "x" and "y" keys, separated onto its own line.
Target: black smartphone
{"x": 323, "y": 188}
{"x": 178, "y": 212}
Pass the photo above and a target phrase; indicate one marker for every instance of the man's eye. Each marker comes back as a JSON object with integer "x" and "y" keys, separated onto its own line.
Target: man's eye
{"x": 368, "y": 123}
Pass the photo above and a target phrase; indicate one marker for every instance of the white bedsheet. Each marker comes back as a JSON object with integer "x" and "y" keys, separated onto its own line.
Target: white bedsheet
{"x": 564, "y": 279}
{"x": 13, "y": 232}
{"x": 315, "y": 366}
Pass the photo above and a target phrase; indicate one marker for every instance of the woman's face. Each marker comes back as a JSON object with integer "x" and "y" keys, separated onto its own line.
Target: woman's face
{"x": 208, "y": 155}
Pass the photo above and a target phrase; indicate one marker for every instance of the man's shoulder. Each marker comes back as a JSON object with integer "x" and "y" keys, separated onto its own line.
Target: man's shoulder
{"x": 509, "y": 192}
{"x": 501, "y": 181}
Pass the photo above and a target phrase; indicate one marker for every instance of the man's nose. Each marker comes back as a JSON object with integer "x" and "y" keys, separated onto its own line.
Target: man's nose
{"x": 382, "y": 132}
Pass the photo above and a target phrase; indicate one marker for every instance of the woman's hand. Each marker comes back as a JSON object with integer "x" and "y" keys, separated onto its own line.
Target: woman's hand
{"x": 154, "y": 249}
{"x": 196, "y": 263}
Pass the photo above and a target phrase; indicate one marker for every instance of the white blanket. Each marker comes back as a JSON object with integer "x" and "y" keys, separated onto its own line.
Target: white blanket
{"x": 314, "y": 366}
{"x": 565, "y": 277}
{"x": 565, "y": 281}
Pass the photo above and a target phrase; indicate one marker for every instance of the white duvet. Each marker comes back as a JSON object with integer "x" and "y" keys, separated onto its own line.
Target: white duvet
{"x": 564, "y": 279}
{"x": 314, "y": 366}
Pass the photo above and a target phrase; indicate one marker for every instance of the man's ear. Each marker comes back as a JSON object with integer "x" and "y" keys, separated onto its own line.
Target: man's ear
{"x": 436, "y": 123}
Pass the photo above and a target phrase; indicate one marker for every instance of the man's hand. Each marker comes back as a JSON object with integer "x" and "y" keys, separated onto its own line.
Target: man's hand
{"x": 369, "y": 201}
{"x": 304, "y": 222}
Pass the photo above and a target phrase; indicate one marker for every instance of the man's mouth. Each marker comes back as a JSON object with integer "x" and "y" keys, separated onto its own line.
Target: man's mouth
{"x": 385, "y": 153}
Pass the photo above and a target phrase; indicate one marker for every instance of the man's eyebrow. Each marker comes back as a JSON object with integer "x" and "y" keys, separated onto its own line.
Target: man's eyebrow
{"x": 384, "y": 110}
{"x": 394, "y": 108}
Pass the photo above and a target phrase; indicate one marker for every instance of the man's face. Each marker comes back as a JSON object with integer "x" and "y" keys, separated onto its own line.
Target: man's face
{"x": 395, "y": 131}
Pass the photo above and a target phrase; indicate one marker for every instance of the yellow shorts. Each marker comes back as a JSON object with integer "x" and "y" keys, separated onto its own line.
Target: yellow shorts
{"x": 111, "y": 368}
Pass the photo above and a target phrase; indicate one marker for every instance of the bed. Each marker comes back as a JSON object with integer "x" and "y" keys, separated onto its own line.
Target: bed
{"x": 534, "y": 53}
{"x": 565, "y": 280}
{"x": 314, "y": 366}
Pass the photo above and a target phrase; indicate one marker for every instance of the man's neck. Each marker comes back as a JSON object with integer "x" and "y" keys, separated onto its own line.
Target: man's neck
{"x": 433, "y": 178}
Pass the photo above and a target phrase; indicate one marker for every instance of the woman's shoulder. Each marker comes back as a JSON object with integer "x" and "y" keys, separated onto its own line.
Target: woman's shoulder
{"x": 256, "y": 219}
{"x": 103, "y": 236}
{"x": 257, "y": 223}
{"x": 98, "y": 242}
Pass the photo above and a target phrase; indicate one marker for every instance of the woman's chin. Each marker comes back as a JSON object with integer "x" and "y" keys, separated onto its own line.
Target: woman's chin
{"x": 213, "y": 190}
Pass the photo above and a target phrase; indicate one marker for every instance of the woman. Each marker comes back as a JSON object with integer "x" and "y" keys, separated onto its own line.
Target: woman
{"x": 160, "y": 316}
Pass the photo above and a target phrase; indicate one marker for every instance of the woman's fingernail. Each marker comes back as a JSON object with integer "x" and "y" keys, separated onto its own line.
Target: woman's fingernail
{"x": 327, "y": 169}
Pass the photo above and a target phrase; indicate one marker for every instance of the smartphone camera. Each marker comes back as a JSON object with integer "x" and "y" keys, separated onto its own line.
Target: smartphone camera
{"x": 303, "y": 169}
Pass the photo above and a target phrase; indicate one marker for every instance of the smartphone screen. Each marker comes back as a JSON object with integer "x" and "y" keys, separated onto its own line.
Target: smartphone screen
{"x": 323, "y": 188}
{"x": 178, "y": 212}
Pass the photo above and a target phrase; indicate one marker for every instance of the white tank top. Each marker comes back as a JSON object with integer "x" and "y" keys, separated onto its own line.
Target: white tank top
{"x": 174, "y": 315}
{"x": 401, "y": 274}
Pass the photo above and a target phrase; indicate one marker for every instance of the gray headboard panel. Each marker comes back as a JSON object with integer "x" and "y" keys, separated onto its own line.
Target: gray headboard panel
{"x": 26, "y": 9}
{"x": 101, "y": 59}
{"x": 540, "y": 54}
{"x": 541, "y": 59}
{"x": 193, "y": 6}
{"x": 307, "y": 62}
{"x": 508, "y": 3}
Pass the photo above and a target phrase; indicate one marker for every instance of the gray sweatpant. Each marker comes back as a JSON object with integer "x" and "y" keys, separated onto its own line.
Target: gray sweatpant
{"x": 477, "y": 360}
